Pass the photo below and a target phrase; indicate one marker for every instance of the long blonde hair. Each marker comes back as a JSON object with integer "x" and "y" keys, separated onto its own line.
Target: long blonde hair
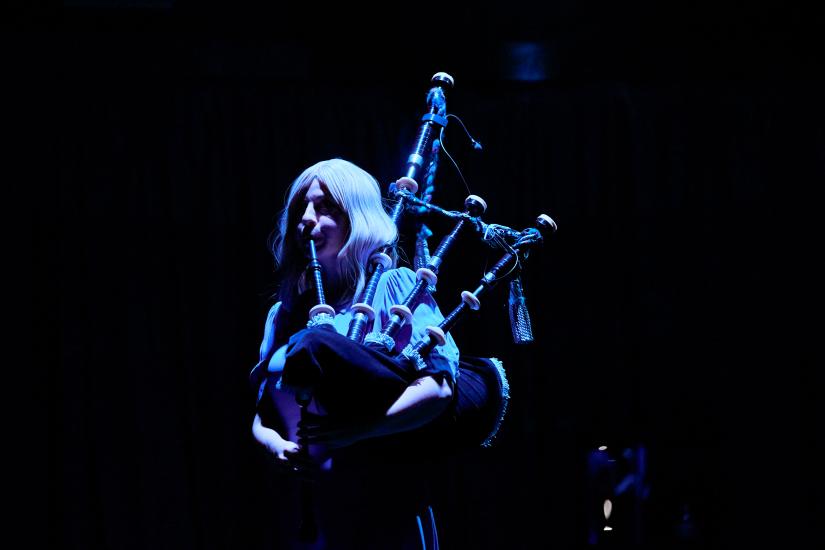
{"x": 369, "y": 227}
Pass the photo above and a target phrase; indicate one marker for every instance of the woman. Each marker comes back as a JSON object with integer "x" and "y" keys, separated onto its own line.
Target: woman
{"x": 359, "y": 392}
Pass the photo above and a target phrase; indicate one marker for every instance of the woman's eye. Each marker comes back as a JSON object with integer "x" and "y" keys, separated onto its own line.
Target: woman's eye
{"x": 327, "y": 207}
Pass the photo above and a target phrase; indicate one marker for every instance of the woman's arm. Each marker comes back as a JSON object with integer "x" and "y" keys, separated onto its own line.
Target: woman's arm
{"x": 269, "y": 438}
{"x": 422, "y": 401}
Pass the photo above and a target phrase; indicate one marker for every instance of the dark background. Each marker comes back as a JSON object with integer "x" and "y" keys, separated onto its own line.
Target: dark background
{"x": 678, "y": 150}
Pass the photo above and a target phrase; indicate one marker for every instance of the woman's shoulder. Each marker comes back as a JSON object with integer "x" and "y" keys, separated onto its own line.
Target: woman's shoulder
{"x": 399, "y": 275}
{"x": 272, "y": 315}
{"x": 397, "y": 280}
{"x": 400, "y": 272}
{"x": 273, "y": 311}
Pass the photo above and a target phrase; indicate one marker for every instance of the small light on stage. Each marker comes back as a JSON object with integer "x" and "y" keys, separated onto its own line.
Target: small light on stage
{"x": 603, "y": 447}
{"x": 608, "y": 508}
{"x": 608, "y": 528}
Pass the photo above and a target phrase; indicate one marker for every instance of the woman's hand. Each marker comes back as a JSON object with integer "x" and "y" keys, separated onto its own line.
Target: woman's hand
{"x": 286, "y": 453}
{"x": 282, "y": 450}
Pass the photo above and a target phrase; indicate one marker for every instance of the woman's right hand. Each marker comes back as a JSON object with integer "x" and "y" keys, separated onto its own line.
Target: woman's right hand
{"x": 282, "y": 450}
{"x": 285, "y": 452}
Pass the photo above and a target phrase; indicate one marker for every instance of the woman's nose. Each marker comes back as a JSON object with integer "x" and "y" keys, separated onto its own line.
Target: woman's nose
{"x": 309, "y": 218}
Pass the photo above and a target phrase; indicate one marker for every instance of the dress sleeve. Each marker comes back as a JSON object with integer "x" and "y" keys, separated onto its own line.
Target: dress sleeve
{"x": 258, "y": 374}
{"x": 393, "y": 287}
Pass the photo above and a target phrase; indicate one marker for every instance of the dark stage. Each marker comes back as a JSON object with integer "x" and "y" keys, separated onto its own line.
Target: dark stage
{"x": 679, "y": 152}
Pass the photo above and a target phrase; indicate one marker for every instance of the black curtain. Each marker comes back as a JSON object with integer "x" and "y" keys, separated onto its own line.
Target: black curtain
{"x": 667, "y": 309}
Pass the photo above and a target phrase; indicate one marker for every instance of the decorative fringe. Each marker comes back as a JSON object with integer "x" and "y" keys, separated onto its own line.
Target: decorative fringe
{"x": 320, "y": 319}
{"x": 505, "y": 395}
{"x": 380, "y": 338}
{"x": 410, "y": 353}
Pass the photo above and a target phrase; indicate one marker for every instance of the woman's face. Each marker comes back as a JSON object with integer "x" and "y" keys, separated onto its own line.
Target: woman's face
{"x": 325, "y": 223}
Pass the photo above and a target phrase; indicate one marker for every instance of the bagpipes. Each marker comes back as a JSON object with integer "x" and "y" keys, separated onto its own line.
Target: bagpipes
{"x": 481, "y": 390}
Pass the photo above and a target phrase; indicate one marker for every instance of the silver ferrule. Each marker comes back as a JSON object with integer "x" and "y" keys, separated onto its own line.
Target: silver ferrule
{"x": 380, "y": 338}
